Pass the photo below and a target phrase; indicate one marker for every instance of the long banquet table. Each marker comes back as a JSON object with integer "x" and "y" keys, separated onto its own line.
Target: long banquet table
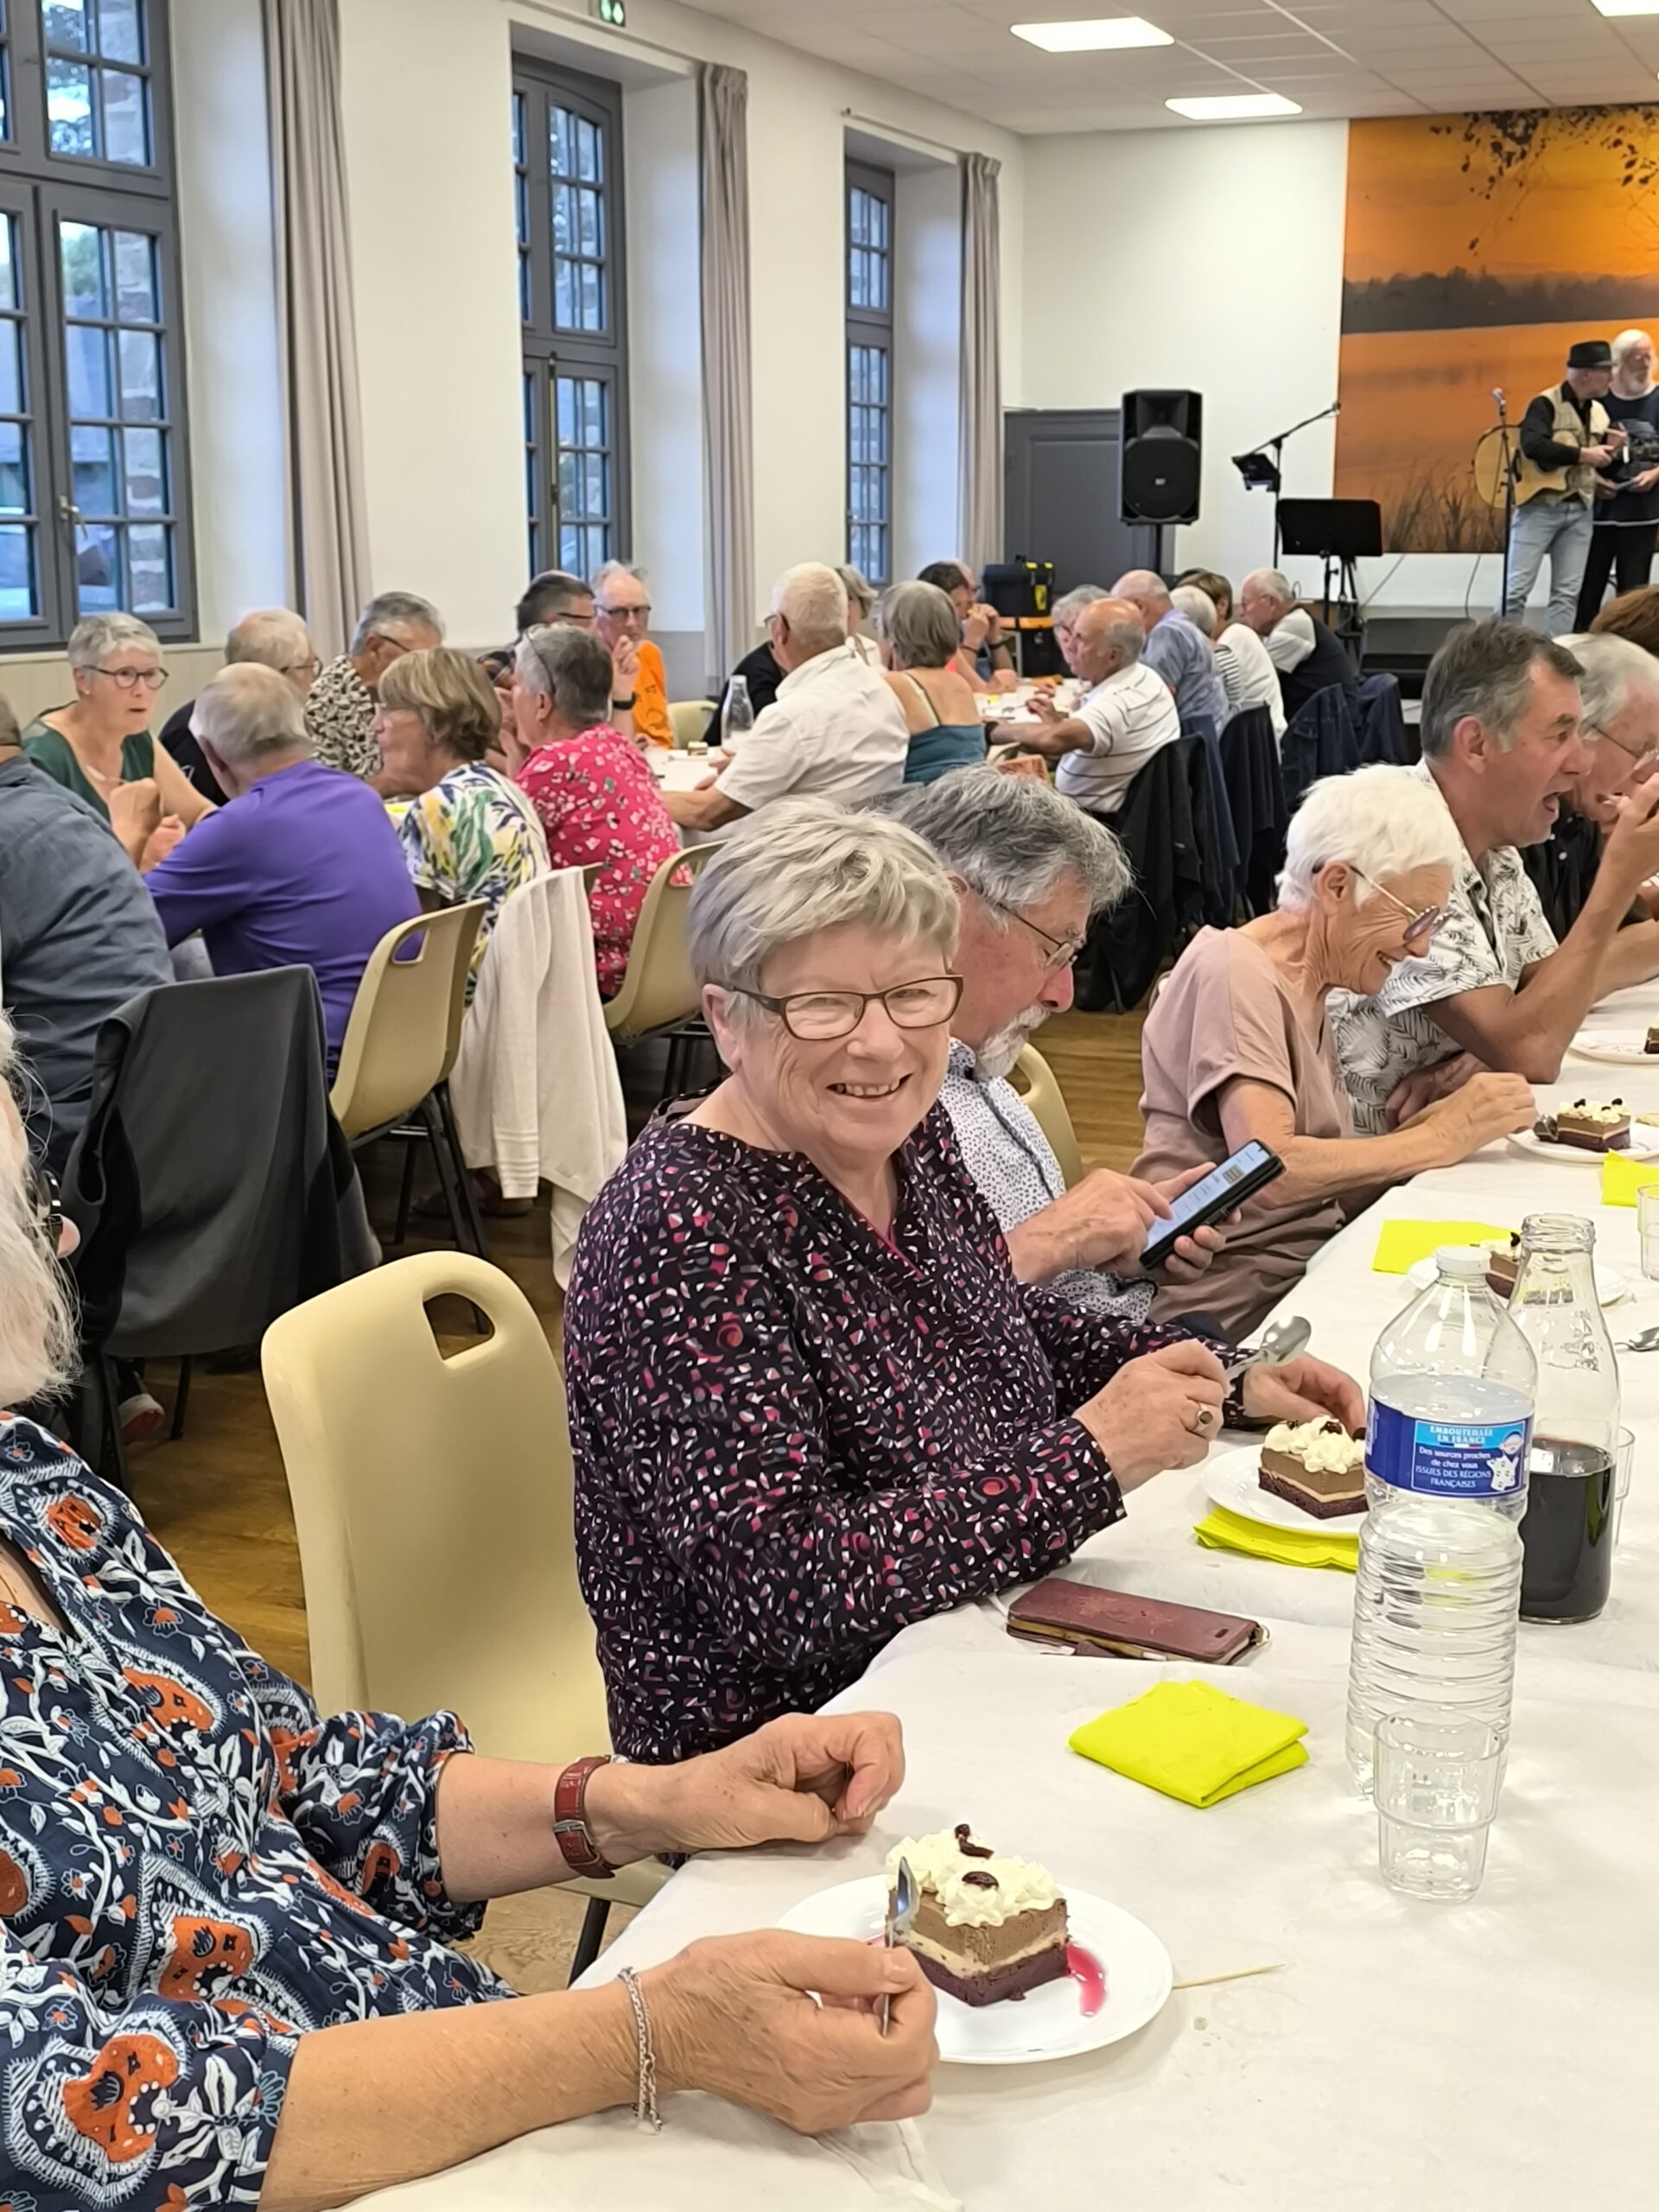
{"x": 1500, "y": 2054}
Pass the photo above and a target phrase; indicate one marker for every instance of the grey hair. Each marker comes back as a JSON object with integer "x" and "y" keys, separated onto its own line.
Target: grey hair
{"x": 393, "y": 614}
{"x": 1273, "y": 582}
{"x": 1383, "y": 821}
{"x": 274, "y": 636}
{"x": 618, "y": 568}
{"x": 1485, "y": 669}
{"x": 90, "y": 640}
{"x": 1142, "y": 583}
{"x": 1626, "y": 344}
{"x": 570, "y": 666}
{"x": 1197, "y": 607}
{"x": 1072, "y": 602}
{"x": 801, "y": 866}
{"x": 1124, "y": 631}
{"x": 812, "y": 599}
{"x": 38, "y": 1339}
{"x": 1013, "y": 840}
{"x": 1610, "y": 668}
{"x": 860, "y": 592}
{"x": 919, "y": 622}
{"x": 249, "y": 712}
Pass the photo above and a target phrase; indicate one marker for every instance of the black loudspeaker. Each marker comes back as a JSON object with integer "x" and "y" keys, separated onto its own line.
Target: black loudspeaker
{"x": 1162, "y": 459}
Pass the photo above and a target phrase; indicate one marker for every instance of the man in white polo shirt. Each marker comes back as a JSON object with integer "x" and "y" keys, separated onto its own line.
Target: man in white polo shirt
{"x": 835, "y": 730}
{"x": 1123, "y": 718}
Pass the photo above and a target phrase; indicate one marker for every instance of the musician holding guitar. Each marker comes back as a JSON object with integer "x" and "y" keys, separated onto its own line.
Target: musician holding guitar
{"x": 1567, "y": 439}
{"x": 1627, "y": 492}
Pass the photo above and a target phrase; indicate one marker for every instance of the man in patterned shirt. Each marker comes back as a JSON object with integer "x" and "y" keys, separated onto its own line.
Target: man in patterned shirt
{"x": 1031, "y": 868}
{"x": 340, "y": 707}
{"x": 1504, "y": 743}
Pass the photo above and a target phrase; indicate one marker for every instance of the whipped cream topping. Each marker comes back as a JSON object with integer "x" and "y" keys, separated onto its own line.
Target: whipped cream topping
{"x": 939, "y": 1864}
{"x": 1319, "y": 1445}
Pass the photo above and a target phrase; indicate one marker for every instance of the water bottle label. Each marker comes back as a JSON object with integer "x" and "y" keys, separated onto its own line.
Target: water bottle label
{"x": 1446, "y": 1458}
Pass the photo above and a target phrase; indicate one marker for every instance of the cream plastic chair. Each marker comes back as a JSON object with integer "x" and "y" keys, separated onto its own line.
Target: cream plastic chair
{"x": 688, "y": 719}
{"x": 399, "y": 1046}
{"x": 1035, "y": 1082}
{"x": 433, "y": 1498}
{"x": 658, "y": 991}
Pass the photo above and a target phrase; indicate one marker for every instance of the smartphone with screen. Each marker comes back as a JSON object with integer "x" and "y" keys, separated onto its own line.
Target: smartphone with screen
{"x": 1249, "y": 1170}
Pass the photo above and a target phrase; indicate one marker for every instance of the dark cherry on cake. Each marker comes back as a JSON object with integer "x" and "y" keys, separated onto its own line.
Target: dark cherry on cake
{"x": 985, "y": 1928}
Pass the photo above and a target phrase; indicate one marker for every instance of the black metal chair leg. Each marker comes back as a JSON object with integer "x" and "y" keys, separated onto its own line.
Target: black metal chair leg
{"x": 592, "y": 1936}
{"x": 463, "y": 1175}
{"x": 180, "y": 1398}
{"x": 405, "y": 1193}
{"x": 435, "y": 1137}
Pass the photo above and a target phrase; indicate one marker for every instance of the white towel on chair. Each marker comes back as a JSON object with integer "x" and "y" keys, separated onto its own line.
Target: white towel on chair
{"x": 535, "y": 1086}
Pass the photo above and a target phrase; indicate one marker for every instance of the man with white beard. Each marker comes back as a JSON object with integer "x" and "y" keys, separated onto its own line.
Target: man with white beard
{"x": 1030, "y": 869}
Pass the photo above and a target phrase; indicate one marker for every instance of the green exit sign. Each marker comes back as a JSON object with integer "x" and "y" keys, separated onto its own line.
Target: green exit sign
{"x": 613, "y": 12}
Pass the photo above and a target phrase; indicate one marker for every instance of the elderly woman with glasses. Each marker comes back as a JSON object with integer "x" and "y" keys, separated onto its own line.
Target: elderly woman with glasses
{"x": 810, "y": 1402}
{"x": 99, "y": 746}
{"x": 1237, "y": 1047}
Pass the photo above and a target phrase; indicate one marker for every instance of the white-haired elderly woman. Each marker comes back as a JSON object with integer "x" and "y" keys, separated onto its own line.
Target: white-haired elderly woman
{"x": 225, "y": 1919}
{"x": 861, "y": 604}
{"x": 99, "y": 746}
{"x": 810, "y": 1401}
{"x": 1238, "y": 1046}
{"x": 919, "y": 636}
{"x": 1627, "y": 492}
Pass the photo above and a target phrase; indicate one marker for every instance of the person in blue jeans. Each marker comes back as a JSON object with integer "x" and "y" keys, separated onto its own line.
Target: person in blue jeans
{"x": 1566, "y": 436}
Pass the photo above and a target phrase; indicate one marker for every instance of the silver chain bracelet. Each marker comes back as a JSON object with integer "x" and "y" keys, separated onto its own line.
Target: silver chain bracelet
{"x": 645, "y": 2101}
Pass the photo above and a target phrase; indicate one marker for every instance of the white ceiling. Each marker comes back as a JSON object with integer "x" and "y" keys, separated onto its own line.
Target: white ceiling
{"x": 1335, "y": 58}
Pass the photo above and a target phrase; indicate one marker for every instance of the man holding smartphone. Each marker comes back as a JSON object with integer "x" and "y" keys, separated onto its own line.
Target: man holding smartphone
{"x": 1031, "y": 868}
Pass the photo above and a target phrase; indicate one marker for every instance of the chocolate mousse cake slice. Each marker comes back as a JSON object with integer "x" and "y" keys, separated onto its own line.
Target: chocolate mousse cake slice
{"x": 1588, "y": 1126}
{"x": 1652, "y": 1042}
{"x": 1503, "y": 1265}
{"x": 1317, "y": 1466}
{"x": 985, "y": 1928}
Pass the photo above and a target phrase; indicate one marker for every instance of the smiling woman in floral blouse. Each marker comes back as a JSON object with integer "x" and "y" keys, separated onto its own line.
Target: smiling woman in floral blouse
{"x": 224, "y": 1969}
{"x": 810, "y": 1401}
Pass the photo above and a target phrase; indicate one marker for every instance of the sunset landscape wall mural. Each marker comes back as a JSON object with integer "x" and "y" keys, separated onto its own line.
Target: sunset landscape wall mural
{"x": 1479, "y": 247}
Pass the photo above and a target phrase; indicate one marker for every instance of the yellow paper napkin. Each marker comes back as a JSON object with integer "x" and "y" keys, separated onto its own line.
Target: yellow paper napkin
{"x": 1193, "y": 1742}
{"x": 1222, "y": 1531}
{"x": 1402, "y": 1243}
{"x": 1621, "y": 1179}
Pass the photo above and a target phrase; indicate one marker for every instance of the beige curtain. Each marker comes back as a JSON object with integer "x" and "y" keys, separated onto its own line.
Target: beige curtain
{"x": 980, "y": 414}
{"x": 728, "y": 406}
{"x": 328, "y": 537}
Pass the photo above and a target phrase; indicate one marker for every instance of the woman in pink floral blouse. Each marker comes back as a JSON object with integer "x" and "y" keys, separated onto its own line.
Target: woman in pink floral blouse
{"x": 597, "y": 798}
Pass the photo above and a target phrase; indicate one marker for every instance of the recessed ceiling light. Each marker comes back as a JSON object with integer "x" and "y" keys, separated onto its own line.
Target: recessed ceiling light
{"x": 1628, "y": 7}
{"x": 1092, "y": 37}
{"x": 1233, "y": 106}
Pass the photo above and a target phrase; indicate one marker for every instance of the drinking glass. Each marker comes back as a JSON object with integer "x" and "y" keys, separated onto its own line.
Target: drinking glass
{"x": 1647, "y": 1223}
{"x": 1624, "y": 1456}
{"x": 1437, "y": 1784}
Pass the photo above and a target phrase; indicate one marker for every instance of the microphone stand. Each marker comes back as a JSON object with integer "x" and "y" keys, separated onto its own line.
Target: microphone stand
{"x": 1276, "y": 447}
{"x": 1507, "y": 461}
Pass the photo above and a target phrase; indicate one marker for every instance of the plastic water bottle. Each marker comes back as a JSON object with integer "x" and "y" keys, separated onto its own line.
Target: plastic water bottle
{"x": 1437, "y": 1590}
{"x": 1567, "y": 1534}
{"x": 737, "y": 717}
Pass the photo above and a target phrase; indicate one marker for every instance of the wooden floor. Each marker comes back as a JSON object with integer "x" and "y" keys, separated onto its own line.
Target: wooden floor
{"x": 218, "y": 1500}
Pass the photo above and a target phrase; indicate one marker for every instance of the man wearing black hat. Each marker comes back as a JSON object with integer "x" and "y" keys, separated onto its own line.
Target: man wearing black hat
{"x": 1566, "y": 436}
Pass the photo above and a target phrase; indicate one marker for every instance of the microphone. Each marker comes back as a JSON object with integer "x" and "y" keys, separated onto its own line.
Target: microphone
{"x": 1497, "y": 393}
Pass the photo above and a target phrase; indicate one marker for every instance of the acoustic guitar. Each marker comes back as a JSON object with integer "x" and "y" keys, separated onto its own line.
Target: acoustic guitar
{"x": 1529, "y": 479}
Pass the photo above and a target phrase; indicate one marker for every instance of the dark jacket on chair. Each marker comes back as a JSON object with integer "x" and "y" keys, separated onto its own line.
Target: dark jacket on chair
{"x": 211, "y": 1187}
{"x": 1155, "y": 828}
{"x": 1255, "y": 793}
{"x": 1319, "y": 740}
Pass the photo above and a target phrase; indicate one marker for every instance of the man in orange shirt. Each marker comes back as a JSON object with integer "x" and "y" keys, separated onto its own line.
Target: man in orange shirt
{"x": 622, "y": 610}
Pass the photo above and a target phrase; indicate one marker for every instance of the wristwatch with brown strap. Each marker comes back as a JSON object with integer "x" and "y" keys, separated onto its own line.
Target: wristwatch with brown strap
{"x": 582, "y": 1854}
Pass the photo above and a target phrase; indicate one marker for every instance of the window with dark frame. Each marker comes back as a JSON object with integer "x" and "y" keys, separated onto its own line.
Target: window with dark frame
{"x": 94, "y": 505}
{"x": 869, "y": 371}
{"x": 573, "y": 296}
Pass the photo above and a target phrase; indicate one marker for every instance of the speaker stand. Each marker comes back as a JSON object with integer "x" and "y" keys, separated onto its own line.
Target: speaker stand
{"x": 1160, "y": 563}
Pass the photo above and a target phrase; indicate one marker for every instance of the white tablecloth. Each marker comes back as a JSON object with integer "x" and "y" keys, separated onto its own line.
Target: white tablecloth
{"x": 1487, "y": 2058}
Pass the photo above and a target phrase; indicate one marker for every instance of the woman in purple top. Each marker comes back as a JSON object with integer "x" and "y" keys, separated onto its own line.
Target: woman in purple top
{"x": 302, "y": 869}
{"x": 810, "y": 1401}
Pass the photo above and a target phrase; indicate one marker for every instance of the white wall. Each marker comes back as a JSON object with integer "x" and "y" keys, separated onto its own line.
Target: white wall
{"x": 425, "y": 93}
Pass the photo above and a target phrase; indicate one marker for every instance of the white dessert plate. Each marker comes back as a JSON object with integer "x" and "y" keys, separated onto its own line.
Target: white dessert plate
{"x": 1610, "y": 1285}
{"x": 1230, "y": 1479}
{"x": 1046, "y": 2023}
{"x": 1644, "y": 1144}
{"x": 1619, "y": 1048}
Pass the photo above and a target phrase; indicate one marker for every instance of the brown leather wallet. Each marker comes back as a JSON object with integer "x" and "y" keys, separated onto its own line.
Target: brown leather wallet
{"x": 1114, "y": 1624}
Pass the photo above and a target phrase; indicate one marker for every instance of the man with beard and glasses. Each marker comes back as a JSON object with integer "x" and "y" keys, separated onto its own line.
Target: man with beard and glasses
{"x": 1030, "y": 869}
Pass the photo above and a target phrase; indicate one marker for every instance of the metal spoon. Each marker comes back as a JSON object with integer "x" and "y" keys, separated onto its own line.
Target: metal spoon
{"x": 900, "y": 1905}
{"x": 1282, "y": 1341}
{"x": 1643, "y": 1340}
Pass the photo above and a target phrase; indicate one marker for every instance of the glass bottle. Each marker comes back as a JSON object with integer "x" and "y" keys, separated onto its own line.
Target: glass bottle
{"x": 1567, "y": 1532}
